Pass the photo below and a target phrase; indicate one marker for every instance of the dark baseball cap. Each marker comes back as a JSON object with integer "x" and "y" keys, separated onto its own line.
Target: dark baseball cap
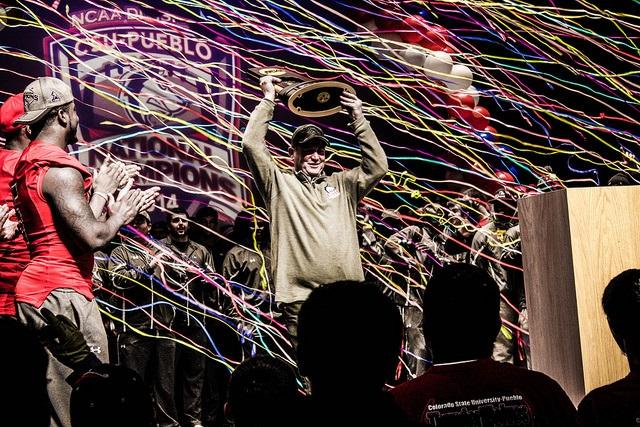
{"x": 306, "y": 134}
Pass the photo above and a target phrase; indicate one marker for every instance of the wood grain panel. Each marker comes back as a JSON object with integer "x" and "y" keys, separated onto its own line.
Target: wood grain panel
{"x": 573, "y": 242}
{"x": 550, "y": 289}
{"x": 606, "y": 240}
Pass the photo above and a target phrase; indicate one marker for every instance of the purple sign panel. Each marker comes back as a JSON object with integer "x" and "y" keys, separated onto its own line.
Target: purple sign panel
{"x": 150, "y": 91}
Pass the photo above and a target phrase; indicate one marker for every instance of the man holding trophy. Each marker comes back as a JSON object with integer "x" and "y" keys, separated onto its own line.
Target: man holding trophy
{"x": 313, "y": 215}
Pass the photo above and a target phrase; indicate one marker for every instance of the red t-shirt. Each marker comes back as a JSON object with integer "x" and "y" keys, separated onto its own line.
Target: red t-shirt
{"x": 616, "y": 404}
{"x": 484, "y": 393}
{"x": 14, "y": 254}
{"x": 57, "y": 259}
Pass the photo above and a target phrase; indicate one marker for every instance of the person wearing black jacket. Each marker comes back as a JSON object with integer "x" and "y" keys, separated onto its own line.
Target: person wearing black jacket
{"x": 187, "y": 271}
{"x": 145, "y": 340}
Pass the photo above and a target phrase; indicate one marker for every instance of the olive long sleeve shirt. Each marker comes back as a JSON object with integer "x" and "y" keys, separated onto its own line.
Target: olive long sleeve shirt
{"x": 314, "y": 239}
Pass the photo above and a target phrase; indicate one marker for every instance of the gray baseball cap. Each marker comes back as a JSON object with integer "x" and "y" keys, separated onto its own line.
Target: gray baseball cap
{"x": 41, "y": 96}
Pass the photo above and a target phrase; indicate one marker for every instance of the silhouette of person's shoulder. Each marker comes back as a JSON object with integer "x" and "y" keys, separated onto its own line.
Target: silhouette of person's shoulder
{"x": 617, "y": 404}
{"x": 498, "y": 393}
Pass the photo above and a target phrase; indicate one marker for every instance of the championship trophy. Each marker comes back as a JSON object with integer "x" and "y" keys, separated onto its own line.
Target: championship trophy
{"x": 304, "y": 97}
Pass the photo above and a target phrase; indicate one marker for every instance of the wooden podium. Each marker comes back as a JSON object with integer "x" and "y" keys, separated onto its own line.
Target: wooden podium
{"x": 573, "y": 242}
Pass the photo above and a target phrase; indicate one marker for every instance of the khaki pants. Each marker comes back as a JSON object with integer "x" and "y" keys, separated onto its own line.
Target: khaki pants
{"x": 86, "y": 316}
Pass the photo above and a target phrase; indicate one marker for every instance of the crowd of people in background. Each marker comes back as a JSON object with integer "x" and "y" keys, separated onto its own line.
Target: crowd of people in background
{"x": 276, "y": 320}
{"x": 128, "y": 274}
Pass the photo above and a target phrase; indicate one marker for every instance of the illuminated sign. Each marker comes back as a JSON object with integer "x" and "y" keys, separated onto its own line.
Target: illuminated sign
{"x": 149, "y": 114}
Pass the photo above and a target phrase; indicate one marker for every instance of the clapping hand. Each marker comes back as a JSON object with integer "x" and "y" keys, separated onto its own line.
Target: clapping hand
{"x": 114, "y": 175}
{"x": 8, "y": 228}
{"x": 130, "y": 202}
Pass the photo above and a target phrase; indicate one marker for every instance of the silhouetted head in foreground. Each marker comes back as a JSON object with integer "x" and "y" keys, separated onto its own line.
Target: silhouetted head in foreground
{"x": 349, "y": 338}
{"x": 461, "y": 313}
{"x": 111, "y": 395}
{"x": 262, "y": 393}
{"x": 621, "y": 304}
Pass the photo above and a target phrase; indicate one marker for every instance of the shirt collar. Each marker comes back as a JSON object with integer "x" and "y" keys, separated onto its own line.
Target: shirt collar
{"x": 186, "y": 244}
{"x": 303, "y": 177}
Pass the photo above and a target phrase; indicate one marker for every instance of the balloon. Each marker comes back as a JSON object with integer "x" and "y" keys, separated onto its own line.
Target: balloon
{"x": 489, "y": 133}
{"x": 504, "y": 148}
{"x": 461, "y": 105}
{"x": 461, "y": 113}
{"x": 480, "y": 118}
{"x": 413, "y": 28}
{"x": 414, "y": 56}
{"x": 435, "y": 38}
{"x": 438, "y": 65}
{"x": 462, "y": 99}
{"x": 491, "y": 130}
{"x": 488, "y": 136}
{"x": 459, "y": 78}
{"x": 504, "y": 176}
{"x": 471, "y": 90}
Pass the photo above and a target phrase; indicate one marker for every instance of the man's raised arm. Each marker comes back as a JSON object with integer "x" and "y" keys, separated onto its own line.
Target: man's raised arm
{"x": 64, "y": 189}
{"x": 253, "y": 145}
{"x": 373, "y": 164}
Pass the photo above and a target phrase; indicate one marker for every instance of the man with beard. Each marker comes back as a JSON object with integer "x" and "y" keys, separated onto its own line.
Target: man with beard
{"x": 55, "y": 204}
{"x": 314, "y": 239}
{"x": 185, "y": 264}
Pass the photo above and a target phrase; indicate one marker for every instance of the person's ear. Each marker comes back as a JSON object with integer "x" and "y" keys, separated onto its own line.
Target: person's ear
{"x": 63, "y": 117}
{"x": 291, "y": 151}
